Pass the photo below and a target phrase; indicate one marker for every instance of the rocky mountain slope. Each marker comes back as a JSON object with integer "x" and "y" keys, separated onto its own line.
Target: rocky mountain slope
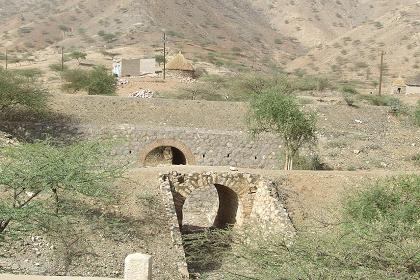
{"x": 343, "y": 37}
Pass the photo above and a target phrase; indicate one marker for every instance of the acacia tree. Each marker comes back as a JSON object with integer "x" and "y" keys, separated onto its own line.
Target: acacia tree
{"x": 279, "y": 112}
{"x": 78, "y": 55}
{"x": 16, "y": 90}
{"x": 32, "y": 175}
{"x": 97, "y": 81}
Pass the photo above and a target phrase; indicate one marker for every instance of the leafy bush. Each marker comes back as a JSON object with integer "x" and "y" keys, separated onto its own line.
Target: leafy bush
{"x": 76, "y": 79}
{"x": 311, "y": 162}
{"x": 101, "y": 82}
{"x": 16, "y": 90}
{"x": 417, "y": 114}
{"x": 396, "y": 106}
{"x": 349, "y": 89}
{"x": 29, "y": 73}
{"x": 306, "y": 83}
{"x": 349, "y": 93}
{"x": 31, "y": 174}
{"x": 97, "y": 81}
{"x": 378, "y": 238}
{"x": 78, "y": 55}
{"x": 57, "y": 67}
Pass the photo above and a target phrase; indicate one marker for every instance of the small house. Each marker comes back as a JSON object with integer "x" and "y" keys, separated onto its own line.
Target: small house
{"x": 134, "y": 67}
{"x": 413, "y": 85}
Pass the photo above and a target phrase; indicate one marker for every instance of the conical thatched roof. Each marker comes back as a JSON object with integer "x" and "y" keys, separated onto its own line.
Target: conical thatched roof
{"x": 179, "y": 62}
{"x": 399, "y": 82}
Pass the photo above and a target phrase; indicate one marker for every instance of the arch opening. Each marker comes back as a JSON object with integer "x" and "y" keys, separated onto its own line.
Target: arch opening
{"x": 203, "y": 217}
{"x": 165, "y": 155}
{"x": 166, "y": 152}
{"x": 210, "y": 207}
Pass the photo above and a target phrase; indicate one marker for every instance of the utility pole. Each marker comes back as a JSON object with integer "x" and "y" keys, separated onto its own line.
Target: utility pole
{"x": 62, "y": 59}
{"x": 164, "y": 55}
{"x": 381, "y": 72}
{"x": 6, "y": 59}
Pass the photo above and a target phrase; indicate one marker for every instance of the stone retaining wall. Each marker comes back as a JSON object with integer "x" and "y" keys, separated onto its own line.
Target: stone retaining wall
{"x": 200, "y": 146}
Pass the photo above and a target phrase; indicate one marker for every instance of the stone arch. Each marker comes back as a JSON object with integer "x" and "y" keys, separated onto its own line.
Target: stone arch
{"x": 235, "y": 195}
{"x": 179, "y": 147}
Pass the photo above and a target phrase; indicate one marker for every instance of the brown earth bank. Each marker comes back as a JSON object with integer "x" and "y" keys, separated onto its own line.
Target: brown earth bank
{"x": 138, "y": 222}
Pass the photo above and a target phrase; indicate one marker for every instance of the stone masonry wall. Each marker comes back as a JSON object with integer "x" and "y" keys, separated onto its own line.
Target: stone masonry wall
{"x": 208, "y": 147}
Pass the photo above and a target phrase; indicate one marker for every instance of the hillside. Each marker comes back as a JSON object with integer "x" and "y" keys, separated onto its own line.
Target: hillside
{"x": 208, "y": 30}
{"x": 343, "y": 38}
{"x": 356, "y": 54}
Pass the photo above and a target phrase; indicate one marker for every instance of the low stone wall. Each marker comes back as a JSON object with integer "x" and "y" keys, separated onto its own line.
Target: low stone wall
{"x": 133, "y": 143}
{"x": 137, "y": 267}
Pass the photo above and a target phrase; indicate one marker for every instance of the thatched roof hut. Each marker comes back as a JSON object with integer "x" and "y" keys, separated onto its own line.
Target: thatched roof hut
{"x": 180, "y": 63}
{"x": 399, "y": 82}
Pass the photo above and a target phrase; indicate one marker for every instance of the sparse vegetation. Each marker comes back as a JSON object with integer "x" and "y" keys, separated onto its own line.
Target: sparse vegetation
{"x": 78, "y": 55}
{"x": 20, "y": 90}
{"x": 31, "y": 172}
{"x": 377, "y": 238}
{"x": 417, "y": 114}
{"x": 97, "y": 81}
{"x": 279, "y": 112}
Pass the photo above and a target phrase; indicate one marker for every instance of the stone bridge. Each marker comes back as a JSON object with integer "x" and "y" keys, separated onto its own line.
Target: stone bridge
{"x": 243, "y": 198}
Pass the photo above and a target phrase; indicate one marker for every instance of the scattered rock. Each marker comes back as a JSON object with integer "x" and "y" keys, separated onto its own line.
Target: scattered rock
{"x": 144, "y": 93}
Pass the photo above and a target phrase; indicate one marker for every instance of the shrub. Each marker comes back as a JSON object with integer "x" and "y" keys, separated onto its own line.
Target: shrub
{"x": 417, "y": 114}
{"x": 416, "y": 159}
{"x": 29, "y": 73}
{"x": 101, "y": 82}
{"x": 396, "y": 106}
{"x": 56, "y": 67}
{"x": 76, "y": 80}
{"x": 306, "y": 83}
{"x": 349, "y": 92}
{"x": 97, "y": 81}
{"x": 160, "y": 58}
{"x": 349, "y": 89}
{"x": 31, "y": 174}
{"x": 16, "y": 90}
{"x": 78, "y": 55}
{"x": 378, "y": 238}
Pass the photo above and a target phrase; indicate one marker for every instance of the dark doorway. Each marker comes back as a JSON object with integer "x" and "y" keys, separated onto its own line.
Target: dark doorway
{"x": 178, "y": 157}
{"x": 165, "y": 155}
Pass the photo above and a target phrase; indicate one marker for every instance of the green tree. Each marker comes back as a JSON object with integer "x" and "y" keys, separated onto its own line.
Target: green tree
{"x": 101, "y": 82}
{"x": 78, "y": 55}
{"x": 279, "y": 112}
{"x": 98, "y": 81}
{"x": 17, "y": 90}
{"x": 160, "y": 58}
{"x": 76, "y": 80}
{"x": 33, "y": 174}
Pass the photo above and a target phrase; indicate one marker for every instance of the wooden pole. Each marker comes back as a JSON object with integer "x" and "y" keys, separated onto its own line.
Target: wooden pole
{"x": 381, "y": 72}
{"x": 6, "y": 59}
{"x": 62, "y": 59}
{"x": 164, "y": 55}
